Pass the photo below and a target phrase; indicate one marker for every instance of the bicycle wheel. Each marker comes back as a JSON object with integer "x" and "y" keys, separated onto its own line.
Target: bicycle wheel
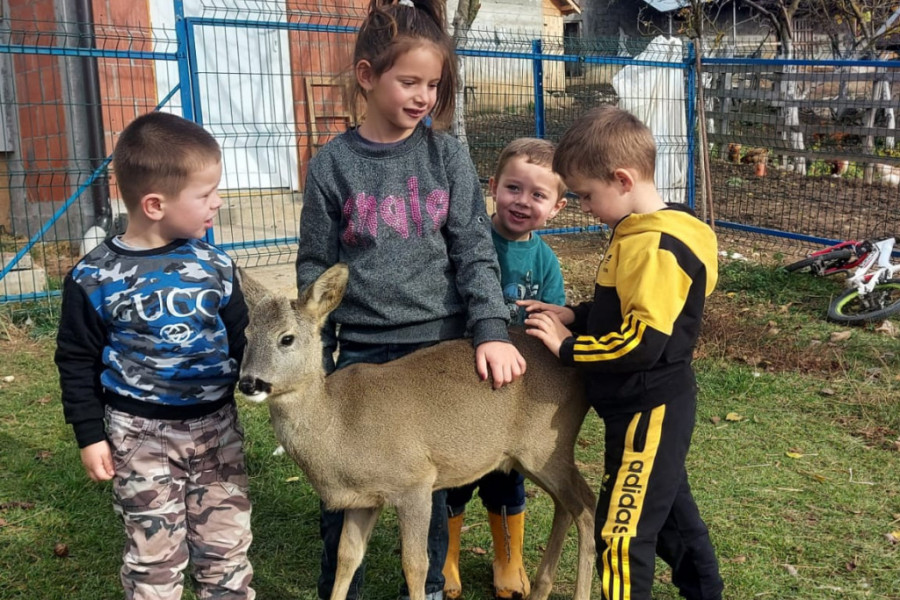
{"x": 817, "y": 264}
{"x": 882, "y": 302}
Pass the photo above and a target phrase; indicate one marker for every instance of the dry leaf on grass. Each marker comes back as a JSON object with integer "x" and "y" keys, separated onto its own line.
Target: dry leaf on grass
{"x": 733, "y": 416}
{"x": 840, "y": 336}
{"x": 887, "y": 328}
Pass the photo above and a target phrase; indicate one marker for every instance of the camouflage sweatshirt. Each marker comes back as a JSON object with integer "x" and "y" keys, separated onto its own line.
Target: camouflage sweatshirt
{"x": 155, "y": 333}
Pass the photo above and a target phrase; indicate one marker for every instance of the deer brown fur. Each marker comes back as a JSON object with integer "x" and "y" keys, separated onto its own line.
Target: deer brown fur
{"x": 373, "y": 435}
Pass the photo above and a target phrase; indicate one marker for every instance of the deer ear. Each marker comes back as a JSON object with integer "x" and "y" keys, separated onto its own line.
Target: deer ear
{"x": 253, "y": 290}
{"x": 326, "y": 292}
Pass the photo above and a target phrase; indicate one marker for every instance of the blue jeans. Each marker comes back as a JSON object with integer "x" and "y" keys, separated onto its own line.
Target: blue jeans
{"x": 501, "y": 493}
{"x": 331, "y": 523}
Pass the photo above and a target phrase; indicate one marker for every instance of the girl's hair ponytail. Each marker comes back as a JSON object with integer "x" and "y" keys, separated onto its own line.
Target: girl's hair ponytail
{"x": 393, "y": 27}
{"x": 393, "y": 9}
{"x": 436, "y": 9}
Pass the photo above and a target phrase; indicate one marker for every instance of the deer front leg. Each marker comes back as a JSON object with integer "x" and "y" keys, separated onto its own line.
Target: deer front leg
{"x": 414, "y": 515}
{"x": 358, "y": 525}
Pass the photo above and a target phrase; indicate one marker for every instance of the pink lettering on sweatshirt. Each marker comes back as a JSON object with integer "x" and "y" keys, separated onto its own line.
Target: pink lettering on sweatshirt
{"x": 364, "y": 211}
{"x": 360, "y": 213}
{"x": 437, "y": 203}
{"x": 393, "y": 212}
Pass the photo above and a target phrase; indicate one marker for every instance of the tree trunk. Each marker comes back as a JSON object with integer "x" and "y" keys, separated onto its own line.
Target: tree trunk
{"x": 465, "y": 14}
{"x": 883, "y": 92}
{"x": 790, "y": 111}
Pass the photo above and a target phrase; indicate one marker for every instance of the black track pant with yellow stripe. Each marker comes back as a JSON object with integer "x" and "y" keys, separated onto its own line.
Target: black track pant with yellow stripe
{"x": 646, "y": 508}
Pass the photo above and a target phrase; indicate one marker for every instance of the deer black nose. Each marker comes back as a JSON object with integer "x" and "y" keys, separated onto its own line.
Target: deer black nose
{"x": 250, "y": 385}
{"x": 247, "y": 385}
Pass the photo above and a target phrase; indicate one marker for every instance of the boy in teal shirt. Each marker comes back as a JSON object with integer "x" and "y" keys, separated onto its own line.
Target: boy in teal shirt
{"x": 527, "y": 193}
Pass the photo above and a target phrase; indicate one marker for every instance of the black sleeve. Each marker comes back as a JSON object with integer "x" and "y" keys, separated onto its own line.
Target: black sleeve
{"x": 581, "y": 316}
{"x": 79, "y": 358}
{"x": 235, "y": 316}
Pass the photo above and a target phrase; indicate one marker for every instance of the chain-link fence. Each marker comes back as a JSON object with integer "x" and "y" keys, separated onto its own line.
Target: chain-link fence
{"x": 804, "y": 148}
{"x": 266, "y": 80}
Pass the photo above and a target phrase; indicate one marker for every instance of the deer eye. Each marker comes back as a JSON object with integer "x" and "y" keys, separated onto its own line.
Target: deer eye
{"x": 286, "y": 340}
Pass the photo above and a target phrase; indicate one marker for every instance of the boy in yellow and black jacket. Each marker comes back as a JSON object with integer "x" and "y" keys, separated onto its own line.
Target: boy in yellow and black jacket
{"x": 634, "y": 344}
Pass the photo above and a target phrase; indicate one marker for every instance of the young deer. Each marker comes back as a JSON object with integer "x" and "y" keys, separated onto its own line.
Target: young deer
{"x": 369, "y": 435}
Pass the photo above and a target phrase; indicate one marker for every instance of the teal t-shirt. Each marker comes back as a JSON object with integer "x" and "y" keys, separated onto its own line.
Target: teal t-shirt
{"x": 529, "y": 270}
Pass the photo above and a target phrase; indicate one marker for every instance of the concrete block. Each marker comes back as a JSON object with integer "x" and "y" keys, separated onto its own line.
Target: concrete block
{"x": 24, "y": 262}
{"x": 29, "y": 281}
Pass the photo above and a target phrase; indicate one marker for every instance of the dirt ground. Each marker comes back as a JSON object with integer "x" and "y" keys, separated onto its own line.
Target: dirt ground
{"x": 824, "y": 206}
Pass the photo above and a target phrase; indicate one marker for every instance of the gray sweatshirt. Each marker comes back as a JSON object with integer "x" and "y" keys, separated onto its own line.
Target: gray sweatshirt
{"x": 410, "y": 221}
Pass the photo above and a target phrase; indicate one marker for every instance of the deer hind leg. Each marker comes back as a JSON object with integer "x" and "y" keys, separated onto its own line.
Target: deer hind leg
{"x": 414, "y": 516}
{"x": 546, "y": 573}
{"x": 358, "y": 525}
{"x": 572, "y": 500}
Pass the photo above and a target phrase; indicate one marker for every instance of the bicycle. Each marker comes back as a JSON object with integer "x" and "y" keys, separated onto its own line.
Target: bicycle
{"x": 872, "y": 292}
{"x": 840, "y": 258}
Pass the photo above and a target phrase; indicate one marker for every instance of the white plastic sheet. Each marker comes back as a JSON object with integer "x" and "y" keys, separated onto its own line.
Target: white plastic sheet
{"x": 656, "y": 96}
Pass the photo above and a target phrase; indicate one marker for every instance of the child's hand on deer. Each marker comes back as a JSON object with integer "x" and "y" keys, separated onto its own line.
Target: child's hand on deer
{"x": 547, "y": 327}
{"x": 565, "y": 314}
{"x": 97, "y": 461}
{"x": 500, "y": 361}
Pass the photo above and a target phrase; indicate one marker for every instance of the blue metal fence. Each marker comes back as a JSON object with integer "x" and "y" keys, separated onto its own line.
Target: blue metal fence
{"x": 260, "y": 223}
{"x": 264, "y": 84}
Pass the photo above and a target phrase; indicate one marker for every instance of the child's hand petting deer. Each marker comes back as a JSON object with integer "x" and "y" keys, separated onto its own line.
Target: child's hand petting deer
{"x": 547, "y": 322}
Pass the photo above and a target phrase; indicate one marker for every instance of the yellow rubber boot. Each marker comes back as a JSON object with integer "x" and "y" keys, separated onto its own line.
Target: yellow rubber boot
{"x": 510, "y": 580}
{"x": 452, "y": 583}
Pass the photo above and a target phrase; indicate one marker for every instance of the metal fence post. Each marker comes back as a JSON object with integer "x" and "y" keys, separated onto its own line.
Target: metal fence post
{"x": 188, "y": 79}
{"x": 537, "y": 68}
{"x": 690, "y": 97}
{"x": 183, "y": 52}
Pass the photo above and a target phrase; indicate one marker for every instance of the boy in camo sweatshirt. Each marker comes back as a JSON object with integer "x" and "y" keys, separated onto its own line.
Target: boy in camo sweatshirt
{"x": 149, "y": 346}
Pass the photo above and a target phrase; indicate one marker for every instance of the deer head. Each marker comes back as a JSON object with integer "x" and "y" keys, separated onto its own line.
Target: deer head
{"x": 284, "y": 336}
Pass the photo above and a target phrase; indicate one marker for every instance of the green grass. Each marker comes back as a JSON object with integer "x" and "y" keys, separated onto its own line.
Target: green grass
{"x": 795, "y": 466}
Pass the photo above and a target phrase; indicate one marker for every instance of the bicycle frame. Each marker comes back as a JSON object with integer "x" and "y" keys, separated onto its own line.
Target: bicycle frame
{"x": 861, "y": 250}
{"x": 843, "y": 257}
{"x": 880, "y": 256}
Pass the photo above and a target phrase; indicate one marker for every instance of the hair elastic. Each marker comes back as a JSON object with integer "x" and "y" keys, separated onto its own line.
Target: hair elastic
{"x": 408, "y": 3}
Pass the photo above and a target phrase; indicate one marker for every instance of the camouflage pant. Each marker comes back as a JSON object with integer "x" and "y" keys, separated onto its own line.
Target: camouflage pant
{"x": 181, "y": 491}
